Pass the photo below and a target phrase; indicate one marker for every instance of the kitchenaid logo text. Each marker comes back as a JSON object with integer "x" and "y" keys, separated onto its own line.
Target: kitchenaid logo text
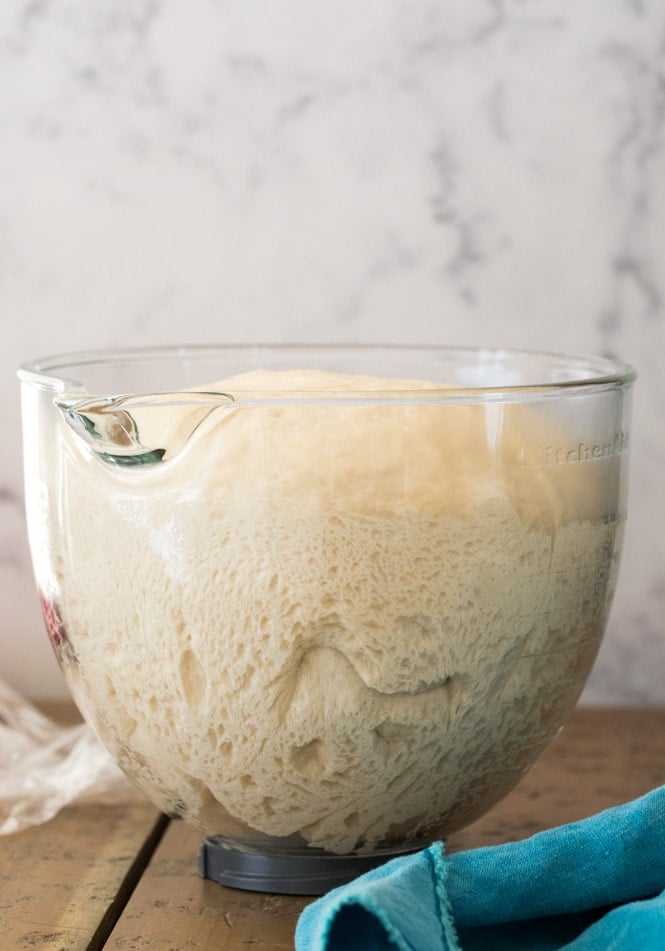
{"x": 582, "y": 452}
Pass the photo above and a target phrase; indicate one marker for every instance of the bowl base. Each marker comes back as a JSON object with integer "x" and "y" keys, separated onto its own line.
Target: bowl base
{"x": 302, "y": 872}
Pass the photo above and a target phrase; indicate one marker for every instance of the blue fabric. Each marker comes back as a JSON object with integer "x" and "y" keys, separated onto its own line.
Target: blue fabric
{"x": 595, "y": 885}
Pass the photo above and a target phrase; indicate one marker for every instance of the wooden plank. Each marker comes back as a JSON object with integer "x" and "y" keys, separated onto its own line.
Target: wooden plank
{"x": 602, "y": 758}
{"x": 173, "y": 909}
{"x": 61, "y": 883}
{"x": 62, "y": 711}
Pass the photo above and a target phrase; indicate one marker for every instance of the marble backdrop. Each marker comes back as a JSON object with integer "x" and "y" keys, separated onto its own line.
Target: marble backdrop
{"x": 481, "y": 172}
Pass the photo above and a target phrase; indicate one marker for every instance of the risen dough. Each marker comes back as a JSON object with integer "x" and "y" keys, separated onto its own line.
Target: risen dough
{"x": 342, "y": 622}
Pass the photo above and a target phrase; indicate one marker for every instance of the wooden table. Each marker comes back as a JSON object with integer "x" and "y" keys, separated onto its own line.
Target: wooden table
{"x": 123, "y": 878}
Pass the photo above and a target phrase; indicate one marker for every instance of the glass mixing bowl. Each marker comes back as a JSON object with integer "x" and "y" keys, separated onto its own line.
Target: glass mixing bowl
{"x": 325, "y": 603}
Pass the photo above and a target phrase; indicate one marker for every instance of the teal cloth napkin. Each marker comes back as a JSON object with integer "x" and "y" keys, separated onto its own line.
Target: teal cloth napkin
{"x": 594, "y": 885}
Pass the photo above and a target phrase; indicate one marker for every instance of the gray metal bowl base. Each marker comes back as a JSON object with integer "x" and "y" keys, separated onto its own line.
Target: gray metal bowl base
{"x": 310, "y": 872}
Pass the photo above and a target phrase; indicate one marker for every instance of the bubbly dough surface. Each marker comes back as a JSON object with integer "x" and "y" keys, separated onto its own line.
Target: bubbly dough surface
{"x": 340, "y": 622}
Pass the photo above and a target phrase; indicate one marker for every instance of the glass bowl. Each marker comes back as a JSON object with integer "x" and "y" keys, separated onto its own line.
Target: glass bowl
{"x": 325, "y": 603}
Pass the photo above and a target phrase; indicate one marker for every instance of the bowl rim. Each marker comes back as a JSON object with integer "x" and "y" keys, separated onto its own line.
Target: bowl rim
{"x": 594, "y": 371}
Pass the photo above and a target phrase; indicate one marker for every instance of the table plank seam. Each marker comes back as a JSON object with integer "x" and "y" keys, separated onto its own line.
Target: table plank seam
{"x": 130, "y": 881}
